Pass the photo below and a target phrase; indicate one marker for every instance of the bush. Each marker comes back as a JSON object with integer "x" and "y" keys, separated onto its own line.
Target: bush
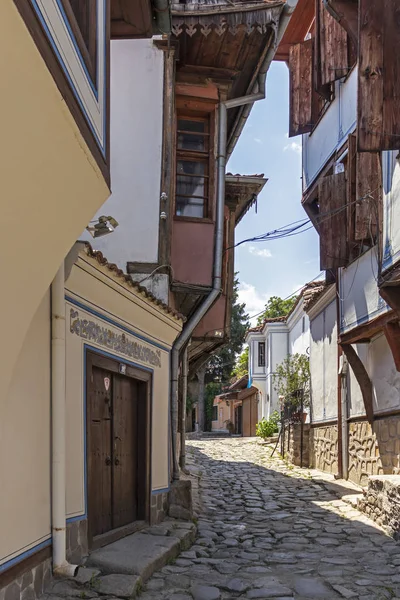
{"x": 268, "y": 427}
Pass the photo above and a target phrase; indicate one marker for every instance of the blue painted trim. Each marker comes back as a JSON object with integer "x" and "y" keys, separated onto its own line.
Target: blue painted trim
{"x": 115, "y": 323}
{"x": 364, "y": 319}
{"x": 162, "y": 491}
{"x": 77, "y": 518}
{"x": 81, "y": 60}
{"x": 71, "y": 83}
{"x": 26, "y": 554}
{"x": 86, "y": 348}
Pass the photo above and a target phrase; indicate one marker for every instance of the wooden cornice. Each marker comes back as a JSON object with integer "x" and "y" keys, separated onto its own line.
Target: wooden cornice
{"x": 364, "y": 333}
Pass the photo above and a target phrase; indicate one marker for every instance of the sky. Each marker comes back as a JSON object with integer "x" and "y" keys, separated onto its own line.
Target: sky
{"x": 277, "y": 267}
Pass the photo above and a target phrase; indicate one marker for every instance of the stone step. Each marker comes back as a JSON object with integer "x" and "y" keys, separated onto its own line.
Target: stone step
{"x": 144, "y": 552}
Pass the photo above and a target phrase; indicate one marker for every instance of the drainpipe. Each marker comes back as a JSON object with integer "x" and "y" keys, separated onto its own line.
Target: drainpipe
{"x": 162, "y": 17}
{"x": 259, "y": 94}
{"x": 344, "y": 424}
{"x": 61, "y": 567}
{"x": 185, "y": 370}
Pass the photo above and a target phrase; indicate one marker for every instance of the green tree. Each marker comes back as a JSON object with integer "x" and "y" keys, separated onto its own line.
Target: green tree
{"x": 221, "y": 365}
{"x": 242, "y": 365}
{"x": 276, "y": 307}
{"x": 212, "y": 389}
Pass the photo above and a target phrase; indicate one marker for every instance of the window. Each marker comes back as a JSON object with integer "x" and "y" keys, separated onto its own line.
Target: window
{"x": 215, "y": 413}
{"x": 261, "y": 354}
{"x": 192, "y": 168}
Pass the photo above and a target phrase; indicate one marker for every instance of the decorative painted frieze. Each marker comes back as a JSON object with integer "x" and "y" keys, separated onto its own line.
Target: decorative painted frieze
{"x": 121, "y": 343}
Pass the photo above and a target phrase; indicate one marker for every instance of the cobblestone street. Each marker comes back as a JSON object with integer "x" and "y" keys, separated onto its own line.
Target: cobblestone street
{"x": 268, "y": 530}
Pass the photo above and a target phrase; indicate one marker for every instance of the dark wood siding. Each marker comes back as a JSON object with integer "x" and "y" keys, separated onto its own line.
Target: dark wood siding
{"x": 301, "y": 88}
{"x": 379, "y": 75}
{"x": 331, "y": 52}
{"x": 333, "y": 221}
{"x": 369, "y": 197}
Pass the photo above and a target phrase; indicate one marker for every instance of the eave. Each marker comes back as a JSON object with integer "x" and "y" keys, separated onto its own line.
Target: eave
{"x": 241, "y": 192}
{"x": 299, "y": 25}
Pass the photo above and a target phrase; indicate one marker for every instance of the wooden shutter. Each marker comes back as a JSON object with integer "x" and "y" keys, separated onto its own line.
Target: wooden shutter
{"x": 379, "y": 75}
{"x": 368, "y": 214}
{"x": 332, "y": 221}
{"x": 331, "y": 52}
{"x": 301, "y": 87}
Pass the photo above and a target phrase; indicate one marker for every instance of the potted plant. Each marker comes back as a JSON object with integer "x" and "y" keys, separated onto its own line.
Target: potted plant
{"x": 230, "y": 426}
{"x": 292, "y": 382}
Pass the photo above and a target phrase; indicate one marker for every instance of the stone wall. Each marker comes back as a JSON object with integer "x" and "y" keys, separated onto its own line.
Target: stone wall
{"x": 77, "y": 541}
{"x": 30, "y": 585}
{"x": 159, "y": 507}
{"x": 324, "y": 448}
{"x": 373, "y": 451}
{"x": 381, "y": 502}
{"x": 291, "y": 444}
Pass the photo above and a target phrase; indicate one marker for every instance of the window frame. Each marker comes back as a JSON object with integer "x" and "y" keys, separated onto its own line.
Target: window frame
{"x": 261, "y": 355}
{"x": 206, "y": 157}
{"x": 215, "y": 412}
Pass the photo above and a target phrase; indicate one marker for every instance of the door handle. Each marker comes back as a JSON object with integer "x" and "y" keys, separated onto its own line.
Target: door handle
{"x": 116, "y": 461}
{"x": 108, "y": 460}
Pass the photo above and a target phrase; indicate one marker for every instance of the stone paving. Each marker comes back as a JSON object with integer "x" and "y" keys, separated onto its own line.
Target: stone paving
{"x": 268, "y": 530}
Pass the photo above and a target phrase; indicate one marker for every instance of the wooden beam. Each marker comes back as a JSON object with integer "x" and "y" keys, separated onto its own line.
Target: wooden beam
{"x": 392, "y": 334}
{"x": 363, "y": 379}
{"x": 391, "y": 295}
{"x": 364, "y": 333}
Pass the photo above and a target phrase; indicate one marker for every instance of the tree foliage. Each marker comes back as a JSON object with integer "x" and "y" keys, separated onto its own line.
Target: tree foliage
{"x": 212, "y": 389}
{"x": 292, "y": 376}
{"x": 276, "y": 307}
{"x": 221, "y": 365}
{"x": 242, "y": 365}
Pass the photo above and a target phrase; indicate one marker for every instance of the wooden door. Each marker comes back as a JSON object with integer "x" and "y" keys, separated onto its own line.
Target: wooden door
{"x": 99, "y": 460}
{"x": 125, "y": 451}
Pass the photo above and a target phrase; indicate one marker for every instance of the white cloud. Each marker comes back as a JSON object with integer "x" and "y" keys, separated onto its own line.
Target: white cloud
{"x": 264, "y": 253}
{"x": 258, "y": 141}
{"x": 294, "y": 147}
{"x": 254, "y": 300}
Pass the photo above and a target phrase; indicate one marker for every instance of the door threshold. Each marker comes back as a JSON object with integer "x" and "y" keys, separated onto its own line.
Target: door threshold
{"x": 116, "y": 534}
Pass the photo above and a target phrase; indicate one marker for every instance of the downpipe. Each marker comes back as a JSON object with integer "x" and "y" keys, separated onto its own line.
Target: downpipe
{"x": 257, "y": 94}
{"x": 182, "y": 460}
{"x": 61, "y": 567}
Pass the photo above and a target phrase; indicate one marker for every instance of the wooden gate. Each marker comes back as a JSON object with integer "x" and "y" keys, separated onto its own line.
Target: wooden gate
{"x": 118, "y": 445}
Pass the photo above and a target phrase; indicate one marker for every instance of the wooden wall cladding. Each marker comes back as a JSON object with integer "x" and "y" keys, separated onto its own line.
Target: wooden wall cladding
{"x": 333, "y": 221}
{"x": 331, "y": 60}
{"x": 301, "y": 88}
{"x": 378, "y": 75}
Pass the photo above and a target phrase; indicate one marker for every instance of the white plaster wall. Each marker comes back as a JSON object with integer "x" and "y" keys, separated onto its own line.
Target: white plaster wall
{"x": 323, "y": 364}
{"x": 391, "y": 208}
{"x": 136, "y": 144}
{"x": 299, "y": 340}
{"x": 378, "y": 360}
{"x": 359, "y": 297}
{"x": 25, "y": 445}
{"x": 332, "y": 130}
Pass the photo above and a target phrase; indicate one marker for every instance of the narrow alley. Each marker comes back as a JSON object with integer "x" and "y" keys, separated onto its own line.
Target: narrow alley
{"x": 268, "y": 530}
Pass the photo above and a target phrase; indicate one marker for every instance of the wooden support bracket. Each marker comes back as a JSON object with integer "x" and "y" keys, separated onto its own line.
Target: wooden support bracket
{"x": 363, "y": 379}
{"x": 392, "y": 334}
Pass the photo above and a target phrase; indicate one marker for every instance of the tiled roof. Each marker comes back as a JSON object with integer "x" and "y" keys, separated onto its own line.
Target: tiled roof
{"x": 97, "y": 255}
{"x": 313, "y": 294}
{"x": 260, "y": 176}
{"x": 310, "y": 294}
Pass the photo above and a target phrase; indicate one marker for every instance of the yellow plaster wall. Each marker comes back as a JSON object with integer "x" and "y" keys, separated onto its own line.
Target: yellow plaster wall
{"x": 50, "y": 184}
{"x": 25, "y": 444}
{"x": 93, "y": 287}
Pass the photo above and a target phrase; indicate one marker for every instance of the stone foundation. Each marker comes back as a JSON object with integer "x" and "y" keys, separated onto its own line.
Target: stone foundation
{"x": 381, "y": 502}
{"x": 30, "y": 585}
{"x": 324, "y": 448}
{"x": 180, "y": 500}
{"x": 77, "y": 541}
{"x": 291, "y": 444}
{"x": 373, "y": 451}
{"x": 159, "y": 507}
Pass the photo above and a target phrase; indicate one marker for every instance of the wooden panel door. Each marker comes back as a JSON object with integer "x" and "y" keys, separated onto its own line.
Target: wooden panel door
{"x": 99, "y": 450}
{"x": 125, "y": 451}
